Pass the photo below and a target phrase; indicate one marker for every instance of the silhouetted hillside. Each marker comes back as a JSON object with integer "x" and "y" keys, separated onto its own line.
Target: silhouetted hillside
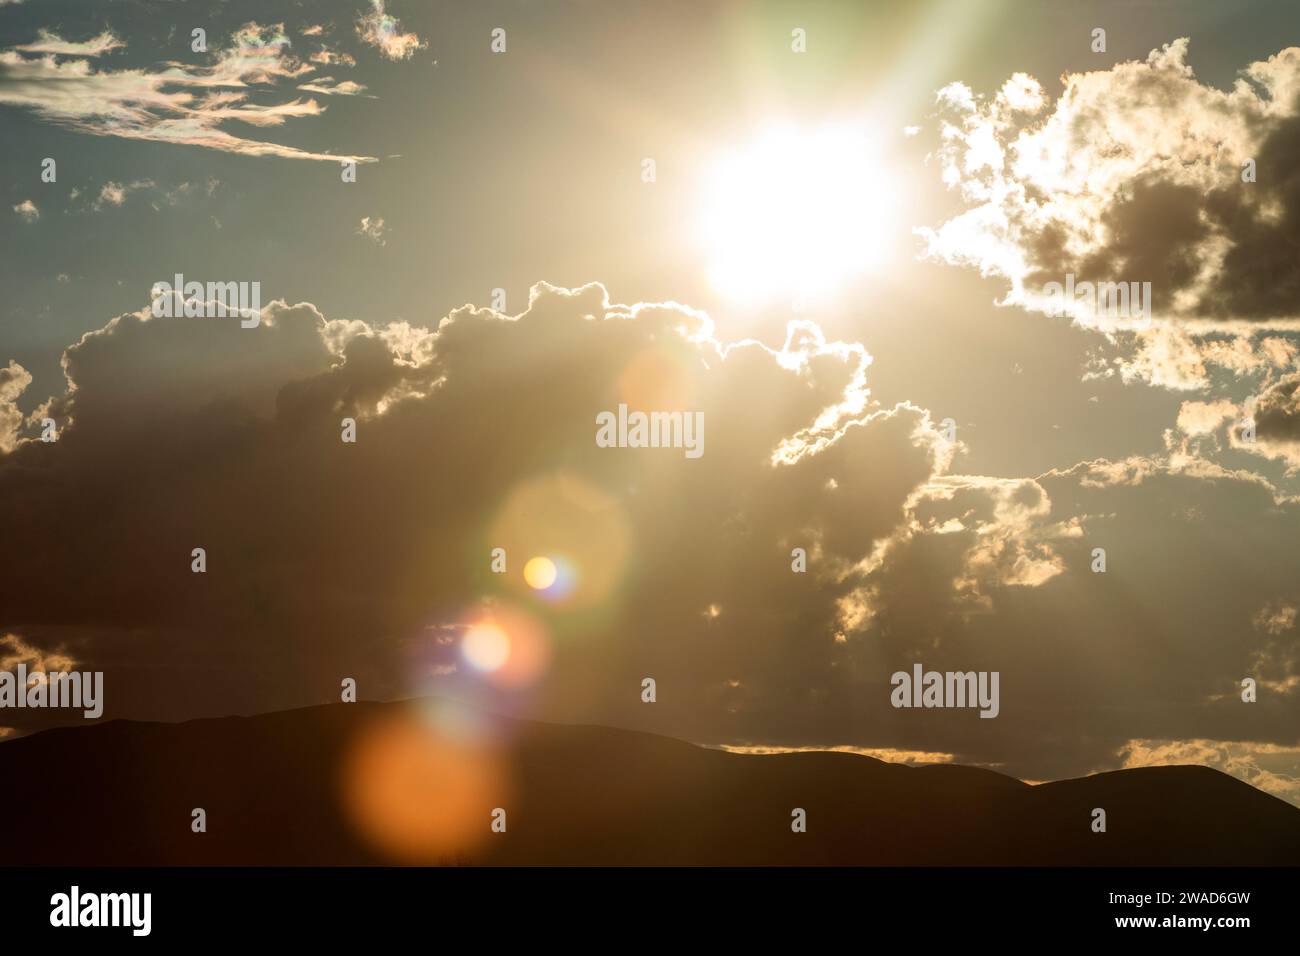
{"x": 273, "y": 787}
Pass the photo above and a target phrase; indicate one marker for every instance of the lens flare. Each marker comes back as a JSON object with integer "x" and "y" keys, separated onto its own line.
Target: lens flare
{"x": 506, "y": 645}
{"x": 577, "y": 536}
{"x": 566, "y": 579}
{"x": 658, "y": 379}
{"x": 486, "y": 646}
{"x": 540, "y": 573}
{"x": 419, "y": 796}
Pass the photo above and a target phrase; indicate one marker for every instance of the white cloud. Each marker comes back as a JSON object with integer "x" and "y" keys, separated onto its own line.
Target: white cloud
{"x": 328, "y": 86}
{"x": 114, "y": 194}
{"x": 27, "y": 210}
{"x": 14, "y": 380}
{"x": 372, "y": 229}
{"x": 180, "y": 104}
{"x": 384, "y": 32}
{"x": 1205, "y": 418}
{"x": 1133, "y": 175}
{"x": 49, "y": 42}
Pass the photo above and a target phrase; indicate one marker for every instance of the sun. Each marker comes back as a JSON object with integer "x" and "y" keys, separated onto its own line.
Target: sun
{"x": 796, "y": 213}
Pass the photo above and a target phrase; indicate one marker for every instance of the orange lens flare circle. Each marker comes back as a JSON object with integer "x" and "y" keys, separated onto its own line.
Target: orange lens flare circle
{"x": 418, "y": 796}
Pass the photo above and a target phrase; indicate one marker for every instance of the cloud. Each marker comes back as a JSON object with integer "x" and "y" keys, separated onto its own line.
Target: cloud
{"x": 1204, "y": 418}
{"x": 14, "y": 651}
{"x": 52, "y": 43}
{"x": 1275, "y": 618}
{"x": 1276, "y": 413}
{"x": 1135, "y": 174}
{"x": 28, "y": 211}
{"x": 268, "y": 403}
{"x": 179, "y": 104}
{"x": 372, "y": 229}
{"x": 477, "y": 431}
{"x": 14, "y": 380}
{"x": 383, "y": 32}
{"x": 111, "y": 194}
{"x": 1083, "y": 650}
{"x": 114, "y": 194}
{"x": 1272, "y": 769}
{"x": 327, "y": 57}
{"x": 329, "y": 87}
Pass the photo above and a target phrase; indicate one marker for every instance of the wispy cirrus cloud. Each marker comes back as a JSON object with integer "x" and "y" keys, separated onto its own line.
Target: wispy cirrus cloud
{"x": 14, "y": 651}
{"x": 179, "y": 104}
{"x": 328, "y": 86}
{"x": 50, "y": 42}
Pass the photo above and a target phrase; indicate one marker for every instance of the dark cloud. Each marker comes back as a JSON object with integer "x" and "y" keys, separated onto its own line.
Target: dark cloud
{"x": 1277, "y": 412}
{"x": 326, "y": 557}
{"x": 328, "y": 560}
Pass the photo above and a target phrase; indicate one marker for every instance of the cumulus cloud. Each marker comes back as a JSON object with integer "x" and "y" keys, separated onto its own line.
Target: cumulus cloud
{"x": 1204, "y": 418}
{"x": 1134, "y": 174}
{"x": 14, "y": 380}
{"x": 384, "y": 32}
{"x": 180, "y": 103}
{"x": 452, "y": 402}
{"x": 328, "y": 558}
{"x": 1276, "y": 413}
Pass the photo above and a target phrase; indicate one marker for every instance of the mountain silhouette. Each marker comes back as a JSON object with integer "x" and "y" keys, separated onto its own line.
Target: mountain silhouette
{"x": 275, "y": 791}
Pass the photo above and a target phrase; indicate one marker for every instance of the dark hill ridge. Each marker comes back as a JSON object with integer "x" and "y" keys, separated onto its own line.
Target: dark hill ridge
{"x": 120, "y": 793}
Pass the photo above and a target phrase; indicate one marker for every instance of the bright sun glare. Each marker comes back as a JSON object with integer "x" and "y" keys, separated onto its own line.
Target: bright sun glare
{"x": 796, "y": 213}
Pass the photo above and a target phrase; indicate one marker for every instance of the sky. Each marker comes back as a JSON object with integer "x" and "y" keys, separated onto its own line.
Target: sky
{"x": 827, "y": 228}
